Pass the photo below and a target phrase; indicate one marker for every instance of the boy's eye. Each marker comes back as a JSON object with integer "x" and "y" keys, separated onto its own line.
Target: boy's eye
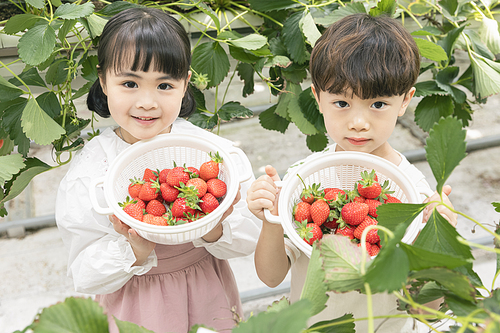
{"x": 164, "y": 86}
{"x": 130, "y": 84}
{"x": 378, "y": 105}
{"x": 341, "y": 104}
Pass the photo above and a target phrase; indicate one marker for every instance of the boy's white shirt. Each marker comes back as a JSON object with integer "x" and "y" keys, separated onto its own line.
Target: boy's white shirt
{"x": 100, "y": 260}
{"x": 351, "y": 302}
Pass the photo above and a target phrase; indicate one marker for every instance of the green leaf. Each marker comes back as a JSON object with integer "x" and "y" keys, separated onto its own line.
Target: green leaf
{"x": 317, "y": 142}
{"x": 9, "y": 166}
{"x": 38, "y": 125}
{"x": 430, "y": 50}
{"x": 384, "y": 7}
{"x": 211, "y": 59}
{"x": 445, "y": 79}
{"x": 488, "y": 30}
{"x": 280, "y": 61}
{"x": 37, "y": 44}
{"x": 117, "y": 7}
{"x": 73, "y": 315}
{"x": 394, "y": 214}
{"x": 20, "y": 22}
{"x": 427, "y": 31}
{"x": 242, "y": 55}
{"x": 70, "y": 11}
{"x": 309, "y": 28}
{"x": 39, "y": 4}
{"x": 445, "y": 148}
{"x": 310, "y": 110}
{"x": 449, "y": 41}
{"x": 125, "y": 326}
{"x": 49, "y": 103}
{"x": 232, "y": 110}
{"x": 348, "y": 9}
{"x": 426, "y": 88}
{"x": 314, "y": 286}
{"x": 65, "y": 29}
{"x": 249, "y": 42}
{"x": 451, "y": 6}
{"x": 203, "y": 120}
{"x": 8, "y": 91}
{"x": 419, "y": 8}
{"x": 82, "y": 91}
{"x": 200, "y": 5}
{"x": 492, "y": 303}
{"x": 486, "y": 75}
{"x": 432, "y": 108}
{"x": 267, "y": 6}
{"x": 271, "y": 121}
{"x": 341, "y": 263}
{"x": 292, "y": 319}
{"x": 57, "y": 72}
{"x": 295, "y": 112}
{"x": 30, "y": 77}
{"x": 11, "y": 120}
{"x": 420, "y": 258}
{"x": 453, "y": 281}
{"x": 330, "y": 326}
{"x": 8, "y": 146}
{"x": 96, "y": 25}
{"x": 477, "y": 45}
{"x": 294, "y": 39}
{"x": 246, "y": 73}
{"x": 462, "y": 307}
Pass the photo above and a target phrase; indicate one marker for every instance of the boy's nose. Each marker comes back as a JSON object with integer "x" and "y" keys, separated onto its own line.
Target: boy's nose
{"x": 359, "y": 122}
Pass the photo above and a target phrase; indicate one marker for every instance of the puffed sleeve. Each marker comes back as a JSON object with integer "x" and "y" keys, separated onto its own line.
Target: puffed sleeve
{"x": 100, "y": 259}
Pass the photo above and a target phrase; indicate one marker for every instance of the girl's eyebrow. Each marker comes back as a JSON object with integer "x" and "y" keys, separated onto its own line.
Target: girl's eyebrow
{"x": 134, "y": 75}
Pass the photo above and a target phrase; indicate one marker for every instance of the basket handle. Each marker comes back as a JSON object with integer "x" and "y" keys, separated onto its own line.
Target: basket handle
{"x": 98, "y": 182}
{"x": 425, "y": 191}
{"x": 245, "y": 174}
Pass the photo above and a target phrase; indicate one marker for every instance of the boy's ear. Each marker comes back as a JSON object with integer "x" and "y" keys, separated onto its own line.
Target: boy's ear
{"x": 316, "y": 96}
{"x": 406, "y": 101}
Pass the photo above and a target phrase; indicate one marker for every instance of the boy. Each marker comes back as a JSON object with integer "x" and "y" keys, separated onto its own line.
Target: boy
{"x": 363, "y": 70}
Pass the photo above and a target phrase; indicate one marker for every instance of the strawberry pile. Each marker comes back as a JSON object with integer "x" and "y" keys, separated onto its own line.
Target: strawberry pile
{"x": 175, "y": 196}
{"x": 342, "y": 212}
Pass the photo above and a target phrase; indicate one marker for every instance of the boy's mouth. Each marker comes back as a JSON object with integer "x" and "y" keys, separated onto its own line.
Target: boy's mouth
{"x": 357, "y": 141}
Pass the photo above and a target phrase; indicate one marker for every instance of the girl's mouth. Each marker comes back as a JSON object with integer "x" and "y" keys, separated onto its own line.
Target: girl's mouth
{"x": 144, "y": 120}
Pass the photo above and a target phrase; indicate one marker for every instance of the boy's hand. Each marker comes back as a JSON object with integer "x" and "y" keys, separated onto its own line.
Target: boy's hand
{"x": 141, "y": 246}
{"x": 445, "y": 212}
{"x": 263, "y": 193}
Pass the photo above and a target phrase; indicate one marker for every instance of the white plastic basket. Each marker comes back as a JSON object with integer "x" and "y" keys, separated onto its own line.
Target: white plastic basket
{"x": 342, "y": 170}
{"x": 160, "y": 153}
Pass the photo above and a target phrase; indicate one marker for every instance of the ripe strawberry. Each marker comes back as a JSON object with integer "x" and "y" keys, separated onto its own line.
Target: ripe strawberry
{"x": 372, "y": 236}
{"x": 354, "y": 212}
{"x": 346, "y": 230}
{"x": 217, "y": 187}
{"x": 372, "y": 206}
{"x": 210, "y": 169}
{"x": 193, "y": 172}
{"x": 140, "y": 203}
{"x": 302, "y": 212}
{"x": 209, "y": 203}
{"x": 180, "y": 207}
{"x": 309, "y": 193}
{"x": 199, "y": 185}
{"x": 156, "y": 208}
{"x": 368, "y": 187}
{"x": 155, "y": 220}
{"x": 149, "y": 191}
{"x": 135, "y": 187}
{"x": 391, "y": 199}
{"x": 358, "y": 199}
{"x": 168, "y": 193}
{"x": 177, "y": 175}
{"x": 132, "y": 208}
{"x": 320, "y": 212}
{"x": 333, "y": 194}
{"x": 150, "y": 175}
{"x": 309, "y": 232}
{"x": 162, "y": 178}
{"x": 374, "y": 250}
{"x": 331, "y": 224}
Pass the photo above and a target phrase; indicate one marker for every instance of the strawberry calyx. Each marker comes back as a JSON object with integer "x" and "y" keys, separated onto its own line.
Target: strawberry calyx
{"x": 215, "y": 157}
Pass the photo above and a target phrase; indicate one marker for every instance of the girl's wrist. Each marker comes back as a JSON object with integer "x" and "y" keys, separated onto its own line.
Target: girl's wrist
{"x": 213, "y": 235}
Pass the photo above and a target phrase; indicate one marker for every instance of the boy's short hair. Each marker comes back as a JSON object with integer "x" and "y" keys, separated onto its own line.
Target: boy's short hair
{"x": 371, "y": 56}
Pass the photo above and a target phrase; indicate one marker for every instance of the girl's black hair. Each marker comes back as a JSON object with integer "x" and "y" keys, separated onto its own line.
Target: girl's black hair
{"x": 161, "y": 43}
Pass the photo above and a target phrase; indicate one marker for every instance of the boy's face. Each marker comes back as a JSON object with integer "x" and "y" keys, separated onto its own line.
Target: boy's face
{"x": 362, "y": 125}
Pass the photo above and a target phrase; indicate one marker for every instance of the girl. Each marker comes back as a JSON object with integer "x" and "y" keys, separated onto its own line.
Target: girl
{"x": 144, "y": 57}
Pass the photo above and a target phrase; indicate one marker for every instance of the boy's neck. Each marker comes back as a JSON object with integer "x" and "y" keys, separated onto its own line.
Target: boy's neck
{"x": 385, "y": 151}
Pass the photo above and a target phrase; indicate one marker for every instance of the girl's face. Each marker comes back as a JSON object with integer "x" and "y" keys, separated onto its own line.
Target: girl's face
{"x": 143, "y": 104}
{"x": 362, "y": 125}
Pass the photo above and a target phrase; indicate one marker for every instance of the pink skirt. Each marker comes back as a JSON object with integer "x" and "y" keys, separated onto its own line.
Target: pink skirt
{"x": 190, "y": 286}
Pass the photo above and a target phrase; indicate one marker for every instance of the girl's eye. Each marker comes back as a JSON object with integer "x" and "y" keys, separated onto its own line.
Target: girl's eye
{"x": 130, "y": 84}
{"x": 341, "y": 104}
{"x": 378, "y": 105}
{"x": 164, "y": 86}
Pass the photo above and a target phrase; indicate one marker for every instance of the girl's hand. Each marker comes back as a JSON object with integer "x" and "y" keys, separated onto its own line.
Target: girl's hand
{"x": 141, "y": 246}
{"x": 445, "y": 212}
{"x": 263, "y": 193}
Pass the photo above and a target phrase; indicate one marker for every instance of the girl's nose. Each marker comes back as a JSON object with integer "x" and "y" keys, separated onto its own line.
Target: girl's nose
{"x": 146, "y": 101}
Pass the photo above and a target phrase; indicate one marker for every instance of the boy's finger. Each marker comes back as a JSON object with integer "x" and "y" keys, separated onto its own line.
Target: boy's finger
{"x": 447, "y": 189}
{"x": 271, "y": 172}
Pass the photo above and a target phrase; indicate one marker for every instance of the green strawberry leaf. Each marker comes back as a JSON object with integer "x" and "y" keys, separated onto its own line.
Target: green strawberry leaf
{"x": 384, "y": 7}
{"x": 70, "y": 11}
{"x": 37, "y": 44}
{"x": 210, "y": 58}
{"x": 295, "y": 112}
{"x": 294, "y": 39}
{"x": 431, "y": 108}
{"x": 317, "y": 142}
{"x": 95, "y": 25}
{"x": 341, "y": 263}
{"x": 30, "y": 77}
{"x": 243, "y": 55}
{"x": 486, "y": 75}
{"x": 57, "y": 72}
{"x": 330, "y": 326}
{"x": 463, "y": 112}
{"x": 38, "y": 125}
{"x": 419, "y": 9}
{"x": 445, "y": 148}
{"x": 204, "y": 121}
{"x": 395, "y": 214}
{"x": 249, "y": 42}
{"x": 49, "y": 103}
{"x": 309, "y": 28}
{"x": 341, "y": 12}
{"x": 267, "y": 6}
{"x": 314, "y": 287}
{"x": 426, "y": 88}
{"x": 310, "y": 110}
{"x": 65, "y": 29}
{"x": 462, "y": 307}
{"x": 279, "y": 305}
{"x": 294, "y": 73}
{"x": 39, "y": 4}
{"x": 9, "y": 166}
{"x": 430, "y": 50}
{"x": 20, "y": 22}
{"x": 126, "y": 326}
{"x": 8, "y": 91}
{"x": 492, "y": 303}
{"x": 449, "y": 41}
{"x": 232, "y": 110}
{"x": 445, "y": 79}
{"x": 116, "y": 7}
{"x": 246, "y": 74}
{"x": 422, "y": 258}
{"x": 457, "y": 283}
{"x": 11, "y": 121}
{"x": 271, "y": 121}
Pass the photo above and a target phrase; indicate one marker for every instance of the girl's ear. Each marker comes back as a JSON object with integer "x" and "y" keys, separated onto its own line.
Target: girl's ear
{"x": 187, "y": 80}
{"x": 102, "y": 82}
{"x": 406, "y": 101}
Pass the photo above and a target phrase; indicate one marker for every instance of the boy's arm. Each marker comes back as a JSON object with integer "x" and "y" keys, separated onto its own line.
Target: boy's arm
{"x": 271, "y": 260}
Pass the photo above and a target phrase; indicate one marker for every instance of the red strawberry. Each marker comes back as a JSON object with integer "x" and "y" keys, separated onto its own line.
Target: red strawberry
{"x": 209, "y": 203}
{"x": 180, "y": 207}
{"x": 358, "y": 199}
{"x": 156, "y": 208}
{"x": 163, "y": 176}
{"x": 217, "y": 187}
{"x": 149, "y": 191}
{"x": 354, "y": 212}
{"x": 333, "y": 194}
{"x": 155, "y": 220}
{"x": 150, "y": 175}
{"x": 177, "y": 175}
{"x": 140, "y": 203}
{"x": 193, "y": 172}
{"x": 309, "y": 193}
{"x": 168, "y": 193}
{"x": 368, "y": 187}
{"x": 309, "y": 232}
{"x": 391, "y": 199}
{"x": 374, "y": 250}
{"x": 320, "y": 212}
{"x": 199, "y": 184}
{"x": 302, "y": 212}
{"x": 372, "y": 206}
{"x": 346, "y": 230}
{"x": 135, "y": 187}
{"x": 372, "y": 236}
{"x": 331, "y": 224}
{"x": 210, "y": 169}
{"x": 132, "y": 208}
